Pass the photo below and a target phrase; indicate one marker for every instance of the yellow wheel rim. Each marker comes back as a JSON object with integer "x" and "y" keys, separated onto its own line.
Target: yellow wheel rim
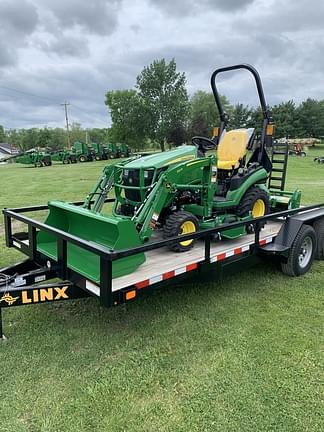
{"x": 186, "y": 228}
{"x": 258, "y": 208}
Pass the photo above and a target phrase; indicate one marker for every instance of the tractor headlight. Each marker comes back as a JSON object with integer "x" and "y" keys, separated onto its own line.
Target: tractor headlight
{"x": 126, "y": 172}
{"x": 146, "y": 174}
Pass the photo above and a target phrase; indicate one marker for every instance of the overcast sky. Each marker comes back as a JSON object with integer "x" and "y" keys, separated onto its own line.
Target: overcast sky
{"x": 76, "y": 50}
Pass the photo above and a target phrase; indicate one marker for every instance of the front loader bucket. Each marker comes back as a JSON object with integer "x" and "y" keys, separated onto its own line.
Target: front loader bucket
{"x": 109, "y": 231}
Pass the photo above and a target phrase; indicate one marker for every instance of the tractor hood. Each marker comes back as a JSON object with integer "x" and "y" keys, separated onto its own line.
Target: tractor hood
{"x": 163, "y": 159}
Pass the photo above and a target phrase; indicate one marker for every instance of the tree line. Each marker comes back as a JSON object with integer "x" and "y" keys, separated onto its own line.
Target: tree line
{"x": 159, "y": 112}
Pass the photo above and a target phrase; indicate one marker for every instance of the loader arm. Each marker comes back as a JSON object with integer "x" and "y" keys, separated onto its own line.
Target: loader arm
{"x": 103, "y": 186}
{"x": 169, "y": 185}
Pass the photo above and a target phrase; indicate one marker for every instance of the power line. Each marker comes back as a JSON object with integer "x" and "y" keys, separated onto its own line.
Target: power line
{"x": 29, "y": 94}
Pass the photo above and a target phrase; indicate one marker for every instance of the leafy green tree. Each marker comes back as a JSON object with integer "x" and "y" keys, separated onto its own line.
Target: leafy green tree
{"x": 240, "y": 116}
{"x": 203, "y": 113}
{"x": 98, "y": 135}
{"x": 163, "y": 93}
{"x": 285, "y": 119}
{"x": 2, "y": 134}
{"x": 310, "y": 116}
{"x": 76, "y": 133}
{"x": 130, "y": 120}
{"x": 43, "y": 138}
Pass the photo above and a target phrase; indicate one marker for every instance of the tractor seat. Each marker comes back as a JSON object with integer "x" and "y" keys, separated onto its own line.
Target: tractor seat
{"x": 233, "y": 147}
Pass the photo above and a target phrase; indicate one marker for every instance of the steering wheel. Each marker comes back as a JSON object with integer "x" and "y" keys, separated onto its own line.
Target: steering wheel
{"x": 203, "y": 144}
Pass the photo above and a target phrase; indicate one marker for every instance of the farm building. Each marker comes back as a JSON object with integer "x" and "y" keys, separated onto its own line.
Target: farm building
{"x": 7, "y": 150}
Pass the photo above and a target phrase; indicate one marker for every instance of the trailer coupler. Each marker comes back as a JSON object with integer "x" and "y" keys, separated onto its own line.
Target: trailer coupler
{"x": 20, "y": 289}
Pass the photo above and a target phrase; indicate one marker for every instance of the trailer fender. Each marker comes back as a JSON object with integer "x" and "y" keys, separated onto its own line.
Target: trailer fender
{"x": 290, "y": 229}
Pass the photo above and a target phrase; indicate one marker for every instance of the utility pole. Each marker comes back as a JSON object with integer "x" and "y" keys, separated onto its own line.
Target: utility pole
{"x": 65, "y": 104}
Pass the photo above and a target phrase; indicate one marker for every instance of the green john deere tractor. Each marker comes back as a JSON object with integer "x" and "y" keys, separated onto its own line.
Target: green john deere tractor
{"x": 83, "y": 152}
{"x": 37, "y": 157}
{"x": 123, "y": 150}
{"x": 101, "y": 151}
{"x": 65, "y": 156}
{"x": 173, "y": 193}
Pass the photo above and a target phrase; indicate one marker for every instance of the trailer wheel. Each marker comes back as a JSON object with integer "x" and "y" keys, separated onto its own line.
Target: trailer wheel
{"x": 256, "y": 201}
{"x": 302, "y": 252}
{"x": 319, "y": 231}
{"x": 178, "y": 223}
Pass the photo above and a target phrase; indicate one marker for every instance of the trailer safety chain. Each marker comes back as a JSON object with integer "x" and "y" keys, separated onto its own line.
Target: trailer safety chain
{"x": 6, "y": 279}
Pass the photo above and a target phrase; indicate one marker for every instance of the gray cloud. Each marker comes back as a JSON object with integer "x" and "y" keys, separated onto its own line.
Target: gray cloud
{"x": 17, "y": 21}
{"x": 95, "y": 16}
{"x": 70, "y": 46}
{"x": 190, "y": 7}
{"x": 76, "y": 50}
{"x": 19, "y": 16}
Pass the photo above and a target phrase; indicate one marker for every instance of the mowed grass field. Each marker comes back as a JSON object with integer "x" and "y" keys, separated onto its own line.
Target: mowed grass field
{"x": 242, "y": 355}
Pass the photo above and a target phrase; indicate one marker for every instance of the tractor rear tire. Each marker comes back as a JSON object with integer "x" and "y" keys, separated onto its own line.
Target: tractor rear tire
{"x": 256, "y": 201}
{"x": 180, "y": 222}
{"x": 302, "y": 252}
{"x": 319, "y": 231}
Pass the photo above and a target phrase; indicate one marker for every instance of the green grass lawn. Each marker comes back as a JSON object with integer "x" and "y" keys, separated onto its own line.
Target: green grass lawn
{"x": 243, "y": 355}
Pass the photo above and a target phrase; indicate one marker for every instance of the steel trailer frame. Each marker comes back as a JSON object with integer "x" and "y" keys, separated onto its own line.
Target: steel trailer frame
{"x": 22, "y": 283}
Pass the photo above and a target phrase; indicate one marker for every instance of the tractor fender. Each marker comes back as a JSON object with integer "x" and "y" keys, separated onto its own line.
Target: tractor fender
{"x": 256, "y": 179}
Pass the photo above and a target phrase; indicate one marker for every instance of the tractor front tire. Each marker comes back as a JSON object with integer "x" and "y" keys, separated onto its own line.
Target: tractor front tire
{"x": 255, "y": 201}
{"x": 82, "y": 158}
{"x": 180, "y": 222}
{"x": 302, "y": 252}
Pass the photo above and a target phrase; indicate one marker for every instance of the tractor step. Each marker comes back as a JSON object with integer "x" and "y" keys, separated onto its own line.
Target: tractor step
{"x": 278, "y": 152}
{"x": 280, "y": 170}
{"x": 278, "y": 149}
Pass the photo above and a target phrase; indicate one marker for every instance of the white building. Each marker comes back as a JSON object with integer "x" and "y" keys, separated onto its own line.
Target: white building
{"x": 7, "y": 150}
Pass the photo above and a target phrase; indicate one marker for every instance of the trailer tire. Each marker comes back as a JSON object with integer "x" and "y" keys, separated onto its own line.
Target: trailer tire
{"x": 319, "y": 231}
{"x": 174, "y": 226}
{"x": 302, "y": 252}
{"x": 250, "y": 200}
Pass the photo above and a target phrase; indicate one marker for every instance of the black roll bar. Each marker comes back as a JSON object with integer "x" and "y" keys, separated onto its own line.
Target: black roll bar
{"x": 255, "y": 73}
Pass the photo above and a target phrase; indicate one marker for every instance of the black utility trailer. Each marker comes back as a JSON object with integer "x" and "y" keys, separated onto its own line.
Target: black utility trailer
{"x": 295, "y": 237}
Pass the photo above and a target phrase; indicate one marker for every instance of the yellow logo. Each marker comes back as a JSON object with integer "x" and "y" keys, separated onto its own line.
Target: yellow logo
{"x": 9, "y": 299}
{"x": 44, "y": 294}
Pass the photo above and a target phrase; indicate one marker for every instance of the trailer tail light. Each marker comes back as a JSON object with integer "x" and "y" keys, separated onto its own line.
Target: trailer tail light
{"x": 130, "y": 295}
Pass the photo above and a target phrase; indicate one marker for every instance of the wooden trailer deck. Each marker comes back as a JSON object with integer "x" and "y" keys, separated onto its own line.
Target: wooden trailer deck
{"x": 162, "y": 264}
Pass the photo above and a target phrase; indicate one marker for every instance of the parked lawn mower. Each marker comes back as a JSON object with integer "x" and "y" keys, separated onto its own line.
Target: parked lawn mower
{"x": 175, "y": 193}
{"x": 298, "y": 150}
{"x": 319, "y": 159}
